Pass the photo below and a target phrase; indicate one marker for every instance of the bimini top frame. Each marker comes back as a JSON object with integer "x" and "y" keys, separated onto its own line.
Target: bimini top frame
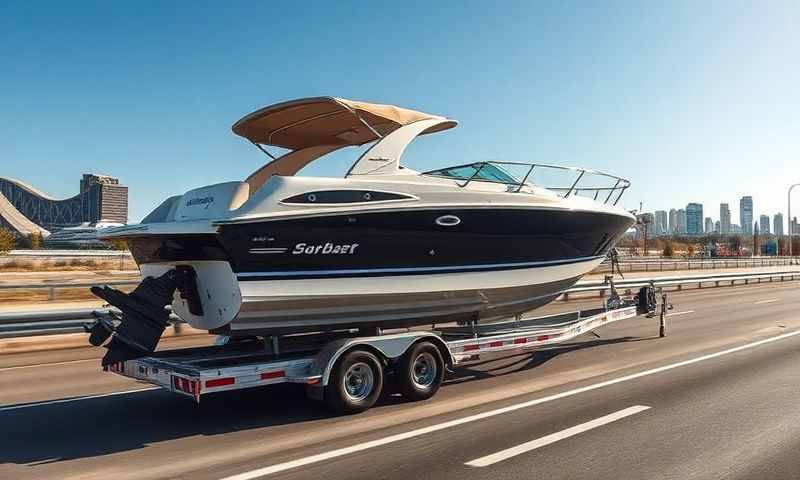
{"x": 312, "y": 127}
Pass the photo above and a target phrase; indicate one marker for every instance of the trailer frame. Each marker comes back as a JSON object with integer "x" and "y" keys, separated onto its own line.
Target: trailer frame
{"x": 234, "y": 365}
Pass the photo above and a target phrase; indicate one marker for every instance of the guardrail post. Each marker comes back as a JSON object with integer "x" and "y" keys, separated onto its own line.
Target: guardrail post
{"x": 52, "y": 293}
{"x": 662, "y": 322}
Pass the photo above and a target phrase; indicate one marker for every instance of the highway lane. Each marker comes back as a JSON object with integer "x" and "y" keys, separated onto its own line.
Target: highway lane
{"x": 153, "y": 434}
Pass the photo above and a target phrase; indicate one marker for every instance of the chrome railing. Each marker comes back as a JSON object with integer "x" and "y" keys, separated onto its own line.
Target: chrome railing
{"x": 610, "y": 192}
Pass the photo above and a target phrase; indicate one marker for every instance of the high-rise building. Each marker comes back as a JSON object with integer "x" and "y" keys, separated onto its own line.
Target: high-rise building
{"x": 694, "y": 219}
{"x": 673, "y": 221}
{"x": 724, "y": 219}
{"x": 746, "y": 215}
{"x": 661, "y": 223}
{"x": 716, "y": 227}
{"x": 681, "y": 221}
{"x": 104, "y": 198}
{"x": 763, "y": 224}
{"x": 777, "y": 224}
{"x": 709, "y": 225}
{"x": 793, "y": 226}
{"x": 736, "y": 229}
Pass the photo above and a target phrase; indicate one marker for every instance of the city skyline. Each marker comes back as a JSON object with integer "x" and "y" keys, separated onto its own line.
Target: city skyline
{"x": 685, "y": 220}
{"x": 755, "y": 214}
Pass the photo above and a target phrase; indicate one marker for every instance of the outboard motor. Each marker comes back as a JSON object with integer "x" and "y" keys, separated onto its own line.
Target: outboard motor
{"x": 144, "y": 315}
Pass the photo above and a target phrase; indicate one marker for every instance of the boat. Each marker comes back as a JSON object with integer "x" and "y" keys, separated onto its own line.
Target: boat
{"x": 382, "y": 247}
{"x": 83, "y": 235}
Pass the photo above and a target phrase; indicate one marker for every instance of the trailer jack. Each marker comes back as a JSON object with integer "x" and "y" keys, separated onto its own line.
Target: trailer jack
{"x": 136, "y": 332}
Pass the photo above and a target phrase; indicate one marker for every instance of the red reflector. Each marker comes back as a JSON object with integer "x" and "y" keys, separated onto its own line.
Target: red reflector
{"x": 495, "y": 344}
{"x": 117, "y": 367}
{"x": 541, "y": 338}
{"x": 220, "y": 382}
{"x": 186, "y": 385}
{"x": 275, "y": 374}
{"x": 467, "y": 348}
{"x": 520, "y": 340}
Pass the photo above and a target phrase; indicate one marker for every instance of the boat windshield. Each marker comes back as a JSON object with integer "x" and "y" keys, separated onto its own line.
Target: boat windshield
{"x": 599, "y": 186}
{"x": 477, "y": 171}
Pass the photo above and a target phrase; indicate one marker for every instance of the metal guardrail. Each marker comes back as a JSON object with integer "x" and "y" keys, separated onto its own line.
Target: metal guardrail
{"x": 18, "y": 324}
{"x": 51, "y": 288}
{"x": 667, "y": 264}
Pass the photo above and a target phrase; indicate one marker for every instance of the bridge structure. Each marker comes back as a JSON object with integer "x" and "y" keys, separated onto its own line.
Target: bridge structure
{"x": 25, "y": 210}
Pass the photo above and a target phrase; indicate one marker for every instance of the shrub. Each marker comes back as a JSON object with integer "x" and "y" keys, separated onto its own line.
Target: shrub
{"x": 7, "y": 241}
{"x": 117, "y": 244}
{"x": 668, "y": 250}
{"x": 35, "y": 240}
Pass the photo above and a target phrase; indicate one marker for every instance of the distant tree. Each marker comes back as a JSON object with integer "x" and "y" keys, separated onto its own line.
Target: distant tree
{"x": 117, "y": 244}
{"x": 690, "y": 250}
{"x": 668, "y": 250}
{"x": 7, "y": 241}
{"x": 35, "y": 239}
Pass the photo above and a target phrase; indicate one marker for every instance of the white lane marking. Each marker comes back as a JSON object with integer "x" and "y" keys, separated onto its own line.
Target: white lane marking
{"x": 74, "y": 399}
{"x": 554, "y": 437}
{"x": 280, "y": 467}
{"x": 769, "y": 300}
{"x": 685, "y": 312}
{"x": 66, "y": 362}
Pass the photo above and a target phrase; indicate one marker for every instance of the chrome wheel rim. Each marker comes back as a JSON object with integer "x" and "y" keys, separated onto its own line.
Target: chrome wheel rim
{"x": 358, "y": 381}
{"x": 424, "y": 370}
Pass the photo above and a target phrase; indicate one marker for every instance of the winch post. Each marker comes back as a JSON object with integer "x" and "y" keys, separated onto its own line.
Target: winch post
{"x": 662, "y": 323}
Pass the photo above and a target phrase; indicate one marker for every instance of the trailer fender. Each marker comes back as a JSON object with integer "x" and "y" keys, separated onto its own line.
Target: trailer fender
{"x": 389, "y": 347}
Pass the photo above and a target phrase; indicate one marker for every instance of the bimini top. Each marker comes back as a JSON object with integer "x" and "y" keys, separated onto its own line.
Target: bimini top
{"x": 312, "y": 122}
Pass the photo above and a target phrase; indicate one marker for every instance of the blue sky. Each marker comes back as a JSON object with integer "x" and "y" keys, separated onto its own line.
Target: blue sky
{"x": 693, "y": 103}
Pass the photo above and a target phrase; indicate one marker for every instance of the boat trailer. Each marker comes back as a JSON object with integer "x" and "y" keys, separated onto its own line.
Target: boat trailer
{"x": 349, "y": 372}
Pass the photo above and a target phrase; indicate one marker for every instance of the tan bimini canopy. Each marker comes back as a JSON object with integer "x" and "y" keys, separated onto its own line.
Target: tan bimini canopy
{"x": 311, "y": 122}
{"x": 313, "y": 127}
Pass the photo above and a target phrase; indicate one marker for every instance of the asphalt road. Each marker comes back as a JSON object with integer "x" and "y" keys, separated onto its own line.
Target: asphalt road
{"x": 717, "y": 398}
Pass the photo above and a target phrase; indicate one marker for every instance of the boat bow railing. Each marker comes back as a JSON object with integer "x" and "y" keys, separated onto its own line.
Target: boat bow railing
{"x": 608, "y": 193}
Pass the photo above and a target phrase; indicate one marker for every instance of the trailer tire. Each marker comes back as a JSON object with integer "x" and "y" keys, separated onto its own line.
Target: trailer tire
{"x": 355, "y": 383}
{"x": 420, "y": 372}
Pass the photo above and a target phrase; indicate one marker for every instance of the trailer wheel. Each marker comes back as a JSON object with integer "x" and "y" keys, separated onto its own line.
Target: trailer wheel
{"x": 355, "y": 383}
{"x": 420, "y": 372}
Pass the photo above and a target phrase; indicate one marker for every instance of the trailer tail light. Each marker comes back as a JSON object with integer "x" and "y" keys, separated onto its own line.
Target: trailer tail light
{"x": 116, "y": 367}
{"x": 192, "y": 387}
{"x": 272, "y": 375}
{"x": 220, "y": 382}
